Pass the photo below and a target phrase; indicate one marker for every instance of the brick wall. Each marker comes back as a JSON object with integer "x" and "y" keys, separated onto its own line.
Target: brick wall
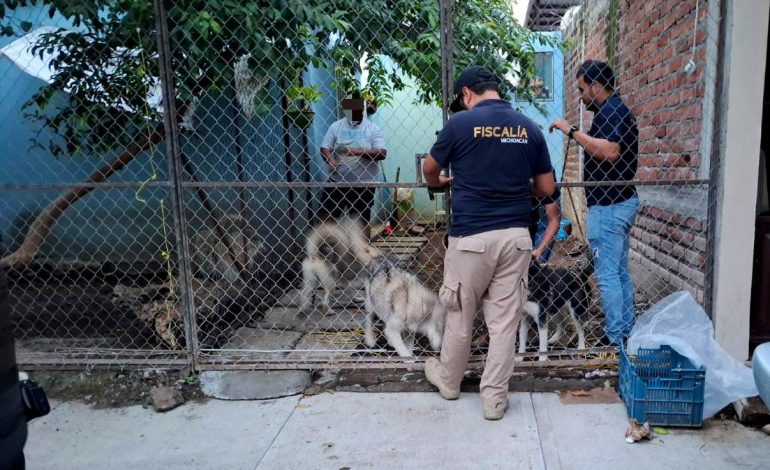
{"x": 654, "y": 44}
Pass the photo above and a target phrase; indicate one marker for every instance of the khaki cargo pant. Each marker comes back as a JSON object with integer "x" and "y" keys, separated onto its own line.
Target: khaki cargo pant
{"x": 490, "y": 268}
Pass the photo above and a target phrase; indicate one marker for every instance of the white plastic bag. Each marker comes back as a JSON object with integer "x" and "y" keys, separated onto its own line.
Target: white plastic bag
{"x": 681, "y": 323}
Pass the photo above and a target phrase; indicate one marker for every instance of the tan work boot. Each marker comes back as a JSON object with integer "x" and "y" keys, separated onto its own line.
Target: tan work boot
{"x": 495, "y": 411}
{"x": 432, "y": 368}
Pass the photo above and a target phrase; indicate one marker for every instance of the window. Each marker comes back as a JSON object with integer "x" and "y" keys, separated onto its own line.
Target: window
{"x": 542, "y": 84}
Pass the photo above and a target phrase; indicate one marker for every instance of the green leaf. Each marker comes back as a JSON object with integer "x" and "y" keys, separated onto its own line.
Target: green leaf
{"x": 660, "y": 431}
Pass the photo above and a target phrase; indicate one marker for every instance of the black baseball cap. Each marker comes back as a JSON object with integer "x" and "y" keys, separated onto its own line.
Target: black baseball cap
{"x": 597, "y": 71}
{"x": 468, "y": 78}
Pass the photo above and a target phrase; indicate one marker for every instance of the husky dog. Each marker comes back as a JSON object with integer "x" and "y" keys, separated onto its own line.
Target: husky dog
{"x": 211, "y": 258}
{"x": 551, "y": 291}
{"x": 403, "y": 304}
{"x": 336, "y": 251}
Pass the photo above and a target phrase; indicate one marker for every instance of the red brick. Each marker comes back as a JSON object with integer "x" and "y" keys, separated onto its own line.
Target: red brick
{"x": 694, "y": 258}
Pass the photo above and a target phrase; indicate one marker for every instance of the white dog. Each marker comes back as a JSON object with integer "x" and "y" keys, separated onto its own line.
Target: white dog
{"x": 336, "y": 251}
{"x": 404, "y": 304}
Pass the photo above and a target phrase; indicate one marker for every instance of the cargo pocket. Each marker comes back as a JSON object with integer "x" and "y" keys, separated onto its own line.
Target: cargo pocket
{"x": 449, "y": 295}
{"x": 524, "y": 244}
{"x": 475, "y": 245}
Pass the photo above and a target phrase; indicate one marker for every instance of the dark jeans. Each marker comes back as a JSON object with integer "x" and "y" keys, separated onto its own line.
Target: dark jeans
{"x": 355, "y": 202}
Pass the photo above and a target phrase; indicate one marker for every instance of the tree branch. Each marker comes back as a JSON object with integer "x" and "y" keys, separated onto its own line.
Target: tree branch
{"x": 45, "y": 221}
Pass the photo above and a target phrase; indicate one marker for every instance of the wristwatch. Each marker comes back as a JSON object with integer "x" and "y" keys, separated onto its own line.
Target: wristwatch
{"x": 572, "y": 131}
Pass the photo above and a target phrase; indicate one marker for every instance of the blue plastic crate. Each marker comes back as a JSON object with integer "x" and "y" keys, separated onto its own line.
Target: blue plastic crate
{"x": 662, "y": 387}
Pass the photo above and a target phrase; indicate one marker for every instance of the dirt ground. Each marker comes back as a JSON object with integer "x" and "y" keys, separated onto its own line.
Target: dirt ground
{"x": 76, "y": 305}
{"x": 104, "y": 389}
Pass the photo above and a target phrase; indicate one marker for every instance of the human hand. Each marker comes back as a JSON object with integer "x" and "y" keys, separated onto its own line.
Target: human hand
{"x": 332, "y": 163}
{"x": 536, "y": 254}
{"x": 444, "y": 180}
{"x": 356, "y": 151}
{"x": 561, "y": 124}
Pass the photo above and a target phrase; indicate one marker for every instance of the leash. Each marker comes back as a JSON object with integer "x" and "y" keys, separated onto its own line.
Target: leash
{"x": 569, "y": 189}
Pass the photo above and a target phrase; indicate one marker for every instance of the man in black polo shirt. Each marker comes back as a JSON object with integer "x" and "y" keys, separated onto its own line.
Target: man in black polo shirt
{"x": 494, "y": 152}
{"x": 611, "y": 148}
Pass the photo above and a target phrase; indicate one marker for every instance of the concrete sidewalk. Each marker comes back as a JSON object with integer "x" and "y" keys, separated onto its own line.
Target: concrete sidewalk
{"x": 368, "y": 430}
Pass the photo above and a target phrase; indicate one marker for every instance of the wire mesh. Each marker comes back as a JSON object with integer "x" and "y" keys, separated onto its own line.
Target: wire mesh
{"x": 292, "y": 120}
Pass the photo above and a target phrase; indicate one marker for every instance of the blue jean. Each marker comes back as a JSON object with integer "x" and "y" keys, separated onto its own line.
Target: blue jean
{"x": 609, "y": 228}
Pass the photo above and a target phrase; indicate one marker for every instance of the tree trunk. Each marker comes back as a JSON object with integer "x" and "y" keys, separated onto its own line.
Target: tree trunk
{"x": 45, "y": 221}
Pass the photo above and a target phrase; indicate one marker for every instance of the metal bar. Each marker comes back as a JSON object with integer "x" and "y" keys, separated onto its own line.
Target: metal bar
{"x": 65, "y": 186}
{"x": 447, "y": 68}
{"x": 446, "y": 8}
{"x": 276, "y": 356}
{"x": 174, "y": 151}
{"x": 319, "y": 184}
{"x": 715, "y": 160}
{"x": 332, "y": 364}
{"x": 127, "y": 356}
{"x": 138, "y": 364}
{"x": 77, "y": 364}
{"x": 51, "y": 361}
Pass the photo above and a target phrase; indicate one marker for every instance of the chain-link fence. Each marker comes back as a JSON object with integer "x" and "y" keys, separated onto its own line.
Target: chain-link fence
{"x": 181, "y": 179}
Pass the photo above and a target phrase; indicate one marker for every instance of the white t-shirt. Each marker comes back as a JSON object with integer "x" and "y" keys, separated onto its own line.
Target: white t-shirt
{"x": 353, "y": 168}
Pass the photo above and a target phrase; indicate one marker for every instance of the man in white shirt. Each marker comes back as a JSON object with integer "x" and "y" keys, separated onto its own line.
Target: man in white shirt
{"x": 352, "y": 148}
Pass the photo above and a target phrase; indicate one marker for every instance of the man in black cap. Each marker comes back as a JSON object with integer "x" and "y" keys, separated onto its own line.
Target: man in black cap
{"x": 611, "y": 148}
{"x": 494, "y": 152}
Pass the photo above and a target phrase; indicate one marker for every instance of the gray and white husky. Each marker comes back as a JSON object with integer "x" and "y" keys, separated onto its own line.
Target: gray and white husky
{"x": 404, "y": 304}
{"x": 211, "y": 258}
{"x": 335, "y": 252}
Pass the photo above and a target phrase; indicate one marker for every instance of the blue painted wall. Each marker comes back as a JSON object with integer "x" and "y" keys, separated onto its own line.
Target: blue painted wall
{"x": 554, "y": 107}
{"x": 117, "y": 225}
{"x": 100, "y": 225}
